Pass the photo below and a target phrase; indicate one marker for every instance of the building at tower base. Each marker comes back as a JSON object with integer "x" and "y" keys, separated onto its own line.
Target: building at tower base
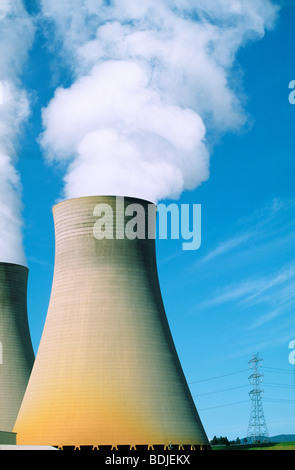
{"x": 107, "y": 372}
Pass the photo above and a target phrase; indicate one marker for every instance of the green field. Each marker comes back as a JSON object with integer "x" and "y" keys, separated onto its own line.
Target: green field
{"x": 271, "y": 446}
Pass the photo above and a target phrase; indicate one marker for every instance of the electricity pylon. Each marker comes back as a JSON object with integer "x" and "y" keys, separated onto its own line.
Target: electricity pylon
{"x": 257, "y": 428}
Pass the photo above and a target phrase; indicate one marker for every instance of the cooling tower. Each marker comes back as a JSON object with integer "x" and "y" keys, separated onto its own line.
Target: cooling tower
{"x": 107, "y": 372}
{"x": 16, "y": 351}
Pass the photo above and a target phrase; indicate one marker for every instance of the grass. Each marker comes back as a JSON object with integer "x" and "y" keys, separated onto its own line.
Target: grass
{"x": 270, "y": 446}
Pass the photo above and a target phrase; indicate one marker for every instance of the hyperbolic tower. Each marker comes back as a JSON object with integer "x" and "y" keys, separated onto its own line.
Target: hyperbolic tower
{"x": 107, "y": 371}
{"x": 257, "y": 429}
{"x": 16, "y": 351}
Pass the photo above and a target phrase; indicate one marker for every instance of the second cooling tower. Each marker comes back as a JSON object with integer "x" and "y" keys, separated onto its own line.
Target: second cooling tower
{"x": 16, "y": 351}
{"x": 107, "y": 372}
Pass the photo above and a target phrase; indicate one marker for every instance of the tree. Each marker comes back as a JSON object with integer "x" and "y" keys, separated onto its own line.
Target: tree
{"x": 219, "y": 441}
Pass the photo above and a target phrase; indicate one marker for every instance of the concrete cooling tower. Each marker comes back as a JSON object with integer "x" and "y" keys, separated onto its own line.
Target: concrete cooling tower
{"x": 16, "y": 351}
{"x": 107, "y": 371}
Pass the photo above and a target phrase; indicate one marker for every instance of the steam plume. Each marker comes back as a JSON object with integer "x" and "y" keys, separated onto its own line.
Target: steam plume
{"x": 151, "y": 82}
{"x": 16, "y": 36}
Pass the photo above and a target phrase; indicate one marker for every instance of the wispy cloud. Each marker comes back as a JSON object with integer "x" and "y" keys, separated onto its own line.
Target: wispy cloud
{"x": 227, "y": 246}
{"x": 268, "y": 285}
{"x": 269, "y": 316}
{"x": 266, "y": 227}
{"x": 257, "y": 264}
{"x": 251, "y": 291}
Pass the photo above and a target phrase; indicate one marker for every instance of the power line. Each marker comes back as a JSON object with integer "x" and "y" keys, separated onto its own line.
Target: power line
{"x": 222, "y": 406}
{"x": 243, "y": 386}
{"x": 278, "y": 385}
{"x": 219, "y": 391}
{"x": 279, "y": 400}
{"x": 274, "y": 369}
{"x": 268, "y": 384}
{"x": 271, "y": 400}
{"x": 218, "y": 377}
{"x": 278, "y": 370}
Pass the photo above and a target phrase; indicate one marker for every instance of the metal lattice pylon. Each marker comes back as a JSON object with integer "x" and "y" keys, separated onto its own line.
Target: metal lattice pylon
{"x": 257, "y": 428}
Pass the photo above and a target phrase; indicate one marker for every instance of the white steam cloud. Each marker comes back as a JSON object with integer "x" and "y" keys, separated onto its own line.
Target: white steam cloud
{"x": 152, "y": 79}
{"x": 16, "y": 36}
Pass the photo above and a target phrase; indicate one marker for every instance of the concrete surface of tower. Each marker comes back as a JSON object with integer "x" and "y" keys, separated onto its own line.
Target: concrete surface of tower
{"x": 107, "y": 371}
{"x": 16, "y": 351}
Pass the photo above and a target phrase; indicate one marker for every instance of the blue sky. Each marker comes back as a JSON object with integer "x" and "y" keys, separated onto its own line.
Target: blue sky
{"x": 234, "y": 296}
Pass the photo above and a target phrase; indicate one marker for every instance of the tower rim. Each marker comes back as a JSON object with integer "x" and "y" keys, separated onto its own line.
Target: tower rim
{"x": 103, "y": 196}
{"x": 7, "y": 263}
